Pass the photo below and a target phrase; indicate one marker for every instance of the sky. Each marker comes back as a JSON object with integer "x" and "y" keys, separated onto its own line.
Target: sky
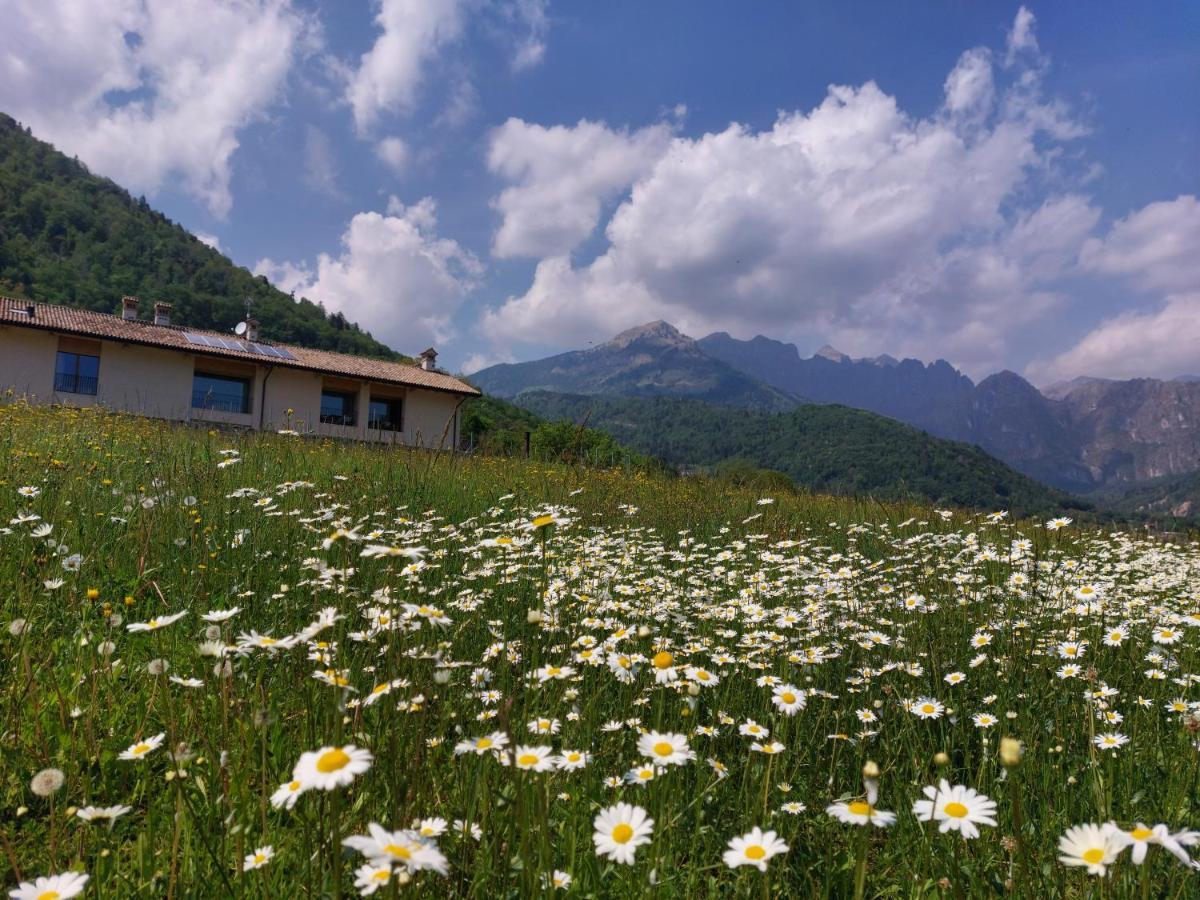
{"x": 998, "y": 185}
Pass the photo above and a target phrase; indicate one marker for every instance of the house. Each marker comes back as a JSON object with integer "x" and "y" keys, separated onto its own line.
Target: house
{"x": 63, "y": 355}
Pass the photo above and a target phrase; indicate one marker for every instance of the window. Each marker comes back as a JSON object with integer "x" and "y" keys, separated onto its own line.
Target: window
{"x": 337, "y": 408}
{"x": 387, "y": 414}
{"x": 76, "y": 373}
{"x": 221, "y": 392}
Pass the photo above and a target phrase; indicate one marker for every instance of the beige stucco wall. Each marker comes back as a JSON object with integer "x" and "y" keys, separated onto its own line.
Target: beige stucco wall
{"x": 27, "y": 363}
{"x": 152, "y": 382}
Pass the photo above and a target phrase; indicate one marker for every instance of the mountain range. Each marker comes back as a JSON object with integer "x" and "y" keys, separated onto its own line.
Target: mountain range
{"x": 1079, "y": 437}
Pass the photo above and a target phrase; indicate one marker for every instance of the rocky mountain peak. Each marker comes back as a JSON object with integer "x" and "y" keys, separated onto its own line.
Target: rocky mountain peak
{"x": 658, "y": 333}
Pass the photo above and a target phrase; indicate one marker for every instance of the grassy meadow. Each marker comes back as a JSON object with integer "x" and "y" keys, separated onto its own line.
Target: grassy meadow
{"x": 267, "y": 666}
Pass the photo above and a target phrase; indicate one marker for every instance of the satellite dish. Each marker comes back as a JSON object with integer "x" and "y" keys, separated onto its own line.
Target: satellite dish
{"x": 239, "y": 329}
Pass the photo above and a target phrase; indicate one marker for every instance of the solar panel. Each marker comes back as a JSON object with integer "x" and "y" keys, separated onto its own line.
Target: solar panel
{"x": 208, "y": 340}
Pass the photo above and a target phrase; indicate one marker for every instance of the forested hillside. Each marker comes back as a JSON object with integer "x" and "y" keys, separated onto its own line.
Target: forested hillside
{"x": 68, "y": 236}
{"x": 829, "y": 449}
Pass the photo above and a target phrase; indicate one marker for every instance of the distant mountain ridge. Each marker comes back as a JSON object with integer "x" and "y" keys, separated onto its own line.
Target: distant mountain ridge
{"x": 653, "y": 359}
{"x": 1079, "y": 436}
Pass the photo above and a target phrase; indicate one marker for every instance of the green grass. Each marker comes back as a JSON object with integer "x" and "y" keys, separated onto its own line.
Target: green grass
{"x": 808, "y": 590}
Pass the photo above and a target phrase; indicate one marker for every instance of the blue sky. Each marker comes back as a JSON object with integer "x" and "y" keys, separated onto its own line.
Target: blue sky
{"x": 1004, "y": 186}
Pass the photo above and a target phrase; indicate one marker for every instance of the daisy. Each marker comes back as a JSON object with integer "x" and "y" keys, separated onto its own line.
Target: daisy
{"x": 140, "y": 749}
{"x": 664, "y": 667}
{"x": 956, "y": 808}
{"x": 984, "y": 720}
{"x": 51, "y": 887}
{"x": 1094, "y": 846}
{"x": 382, "y": 847}
{"x": 489, "y": 743}
{"x": 548, "y": 673}
{"x": 793, "y": 808}
{"x": 860, "y": 812}
{"x": 156, "y": 623}
{"x": 571, "y": 760}
{"x": 559, "y": 880}
{"x": 370, "y": 878}
{"x": 1110, "y": 740}
{"x": 927, "y": 708}
{"x": 1114, "y": 637}
{"x": 788, "y": 699}
{"x": 665, "y": 749}
{"x": 750, "y": 728}
{"x": 702, "y": 677}
{"x": 770, "y": 748}
{"x": 534, "y": 759}
{"x": 331, "y": 767}
{"x": 221, "y": 615}
{"x": 287, "y": 794}
{"x": 258, "y": 858}
{"x": 102, "y": 813}
{"x": 1166, "y": 635}
{"x": 620, "y": 830}
{"x": 754, "y": 849}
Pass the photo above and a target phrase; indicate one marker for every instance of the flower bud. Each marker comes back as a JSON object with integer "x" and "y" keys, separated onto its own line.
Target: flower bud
{"x": 1010, "y": 751}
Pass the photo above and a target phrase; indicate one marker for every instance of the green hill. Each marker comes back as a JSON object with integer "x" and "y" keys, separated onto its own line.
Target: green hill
{"x": 68, "y": 236}
{"x": 829, "y": 449}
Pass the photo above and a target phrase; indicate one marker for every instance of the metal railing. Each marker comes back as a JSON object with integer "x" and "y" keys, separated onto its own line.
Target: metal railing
{"x": 69, "y": 383}
{"x": 208, "y": 399}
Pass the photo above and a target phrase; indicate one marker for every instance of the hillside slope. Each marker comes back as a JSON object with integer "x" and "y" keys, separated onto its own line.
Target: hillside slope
{"x": 832, "y": 449}
{"x": 70, "y": 237}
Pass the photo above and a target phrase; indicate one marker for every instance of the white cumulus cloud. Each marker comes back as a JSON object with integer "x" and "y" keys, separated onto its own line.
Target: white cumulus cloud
{"x": 152, "y": 90}
{"x": 388, "y": 75}
{"x": 560, "y": 177}
{"x": 854, "y": 222}
{"x": 394, "y": 276}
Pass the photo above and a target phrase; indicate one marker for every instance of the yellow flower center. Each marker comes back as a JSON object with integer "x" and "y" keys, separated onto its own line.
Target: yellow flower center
{"x": 49, "y": 895}
{"x": 553, "y": 670}
{"x": 258, "y": 858}
{"x": 663, "y": 659}
{"x": 622, "y": 834}
{"x": 787, "y": 697}
{"x": 153, "y": 623}
{"x": 1093, "y": 856}
{"x": 701, "y": 675}
{"x": 380, "y": 688}
{"x": 955, "y": 809}
{"x": 1140, "y": 834}
{"x": 140, "y": 749}
{"x": 527, "y": 759}
{"x": 662, "y": 748}
{"x": 859, "y": 808}
{"x": 398, "y": 850}
{"x": 483, "y": 743}
{"x": 754, "y": 851}
{"x": 573, "y": 757}
{"x": 928, "y": 708}
{"x": 293, "y": 785}
{"x": 543, "y": 521}
{"x": 381, "y": 875}
{"x": 332, "y": 760}
{"x": 504, "y": 541}
{"x": 266, "y": 641}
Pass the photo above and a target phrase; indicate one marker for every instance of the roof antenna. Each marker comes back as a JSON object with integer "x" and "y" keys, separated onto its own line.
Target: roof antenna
{"x": 242, "y": 327}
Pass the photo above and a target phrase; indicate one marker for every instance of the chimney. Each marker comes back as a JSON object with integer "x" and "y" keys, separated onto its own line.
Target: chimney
{"x": 428, "y": 359}
{"x": 129, "y": 308}
{"x": 162, "y": 313}
{"x": 252, "y": 329}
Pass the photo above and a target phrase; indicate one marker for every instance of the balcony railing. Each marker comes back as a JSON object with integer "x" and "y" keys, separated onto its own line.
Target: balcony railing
{"x": 205, "y": 399}
{"x": 68, "y": 383}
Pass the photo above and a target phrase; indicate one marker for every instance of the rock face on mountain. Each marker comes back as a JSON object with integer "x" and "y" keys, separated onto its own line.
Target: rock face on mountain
{"x": 1078, "y": 435}
{"x": 653, "y": 359}
{"x": 1131, "y": 431}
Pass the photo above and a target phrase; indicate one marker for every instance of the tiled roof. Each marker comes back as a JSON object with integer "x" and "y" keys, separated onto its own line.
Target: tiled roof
{"x": 83, "y": 322}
